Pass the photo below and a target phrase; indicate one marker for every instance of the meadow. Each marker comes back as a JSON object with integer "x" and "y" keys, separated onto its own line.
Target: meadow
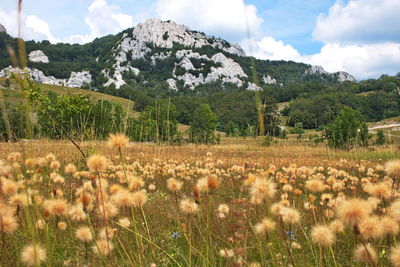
{"x": 233, "y": 204}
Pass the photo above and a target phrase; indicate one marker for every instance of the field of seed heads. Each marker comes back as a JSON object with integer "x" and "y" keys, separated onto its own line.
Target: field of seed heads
{"x": 128, "y": 204}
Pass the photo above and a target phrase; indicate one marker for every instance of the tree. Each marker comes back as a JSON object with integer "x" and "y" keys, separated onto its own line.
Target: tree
{"x": 347, "y": 129}
{"x": 380, "y": 137}
{"x": 203, "y": 125}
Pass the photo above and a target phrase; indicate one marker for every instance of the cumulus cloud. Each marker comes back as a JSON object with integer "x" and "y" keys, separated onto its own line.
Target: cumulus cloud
{"x": 269, "y": 48}
{"x": 102, "y": 18}
{"x": 32, "y": 27}
{"x": 231, "y": 19}
{"x": 362, "y": 61}
{"x": 360, "y": 21}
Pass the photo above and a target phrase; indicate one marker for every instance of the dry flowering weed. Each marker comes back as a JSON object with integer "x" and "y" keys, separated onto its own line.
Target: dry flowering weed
{"x": 142, "y": 205}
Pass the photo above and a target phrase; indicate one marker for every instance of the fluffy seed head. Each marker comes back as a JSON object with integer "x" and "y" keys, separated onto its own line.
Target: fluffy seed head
{"x": 188, "y": 206}
{"x": 262, "y": 188}
{"x": 117, "y": 140}
{"x": 139, "y": 198}
{"x": 265, "y": 226}
{"x": 395, "y": 256}
{"x": 370, "y": 227}
{"x": 97, "y": 163}
{"x": 353, "y": 211}
{"x": 103, "y": 247}
{"x": 366, "y": 254}
{"x": 290, "y": 216}
{"x": 392, "y": 168}
{"x": 322, "y": 235}
{"x": 315, "y": 185}
{"x": 174, "y": 185}
{"x": 33, "y": 255}
{"x": 84, "y": 234}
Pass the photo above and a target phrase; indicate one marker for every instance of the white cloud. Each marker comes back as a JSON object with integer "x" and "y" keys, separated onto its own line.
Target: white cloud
{"x": 269, "y": 48}
{"x": 102, "y": 19}
{"x": 362, "y": 61}
{"x": 40, "y": 26}
{"x": 231, "y": 19}
{"x": 32, "y": 27}
{"x": 360, "y": 21}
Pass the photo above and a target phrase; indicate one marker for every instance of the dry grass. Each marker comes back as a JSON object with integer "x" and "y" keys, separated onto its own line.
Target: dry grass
{"x": 272, "y": 200}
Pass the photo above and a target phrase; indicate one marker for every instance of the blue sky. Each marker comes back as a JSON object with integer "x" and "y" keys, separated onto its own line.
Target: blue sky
{"x": 361, "y": 37}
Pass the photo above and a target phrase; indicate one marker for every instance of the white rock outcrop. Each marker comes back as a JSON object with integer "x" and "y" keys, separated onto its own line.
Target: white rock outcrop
{"x": 172, "y": 84}
{"x": 38, "y": 56}
{"x": 253, "y": 87}
{"x": 77, "y": 79}
{"x": 344, "y": 76}
{"x": 340, "y": 75}
{"x": 2, "y": 29}
{"x": 316, "y": 70}
{"x": 267, "y": 79}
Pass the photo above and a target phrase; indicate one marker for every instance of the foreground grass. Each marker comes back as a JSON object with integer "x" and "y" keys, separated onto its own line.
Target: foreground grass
{"x": 131, "y": 202}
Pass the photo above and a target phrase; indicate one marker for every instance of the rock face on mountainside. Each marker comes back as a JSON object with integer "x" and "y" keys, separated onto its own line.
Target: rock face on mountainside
{"x": 162, "y": 53}
{"x": 38, "y": 56}
{"x": 165, "y": 34}
{"x": 341, "y": 76}
{"x": 77, "y": 79}
{"x": 2, "y": 29}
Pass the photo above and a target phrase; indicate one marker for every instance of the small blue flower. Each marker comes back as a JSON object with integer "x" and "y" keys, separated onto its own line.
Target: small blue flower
{"x": 291, "y": 235}
{"x": 174, "y": 235}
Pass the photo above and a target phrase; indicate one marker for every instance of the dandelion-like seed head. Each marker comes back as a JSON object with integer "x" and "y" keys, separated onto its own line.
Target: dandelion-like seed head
{"x": 322, "y": 235}
{"x": 117, "y": 140}
{"x": 33, "y": 255}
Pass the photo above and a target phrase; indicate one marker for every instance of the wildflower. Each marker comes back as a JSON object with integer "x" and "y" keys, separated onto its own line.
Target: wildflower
{"x": 8, "y": 224}
{"x": 33, "y": 255}
{"x": 291, "y": 235}
{"x": 353, "y": 211}
{"x": 188, "y": 206}
{"x": 55, "y": 165}
{"x": 202, "y": 184}
{"x": 124, "y": 222}
{"x": 366, "y": 254}
{"x": 226, "y": 253}
{"x": 62, "y": 225}
{"x": 103, "y": 247}
{"x": 175, "y": 235}
{"x": 322, "y": 235}
{"x": 265, "y": 226}
{"x": 135, "y": 183}
{"x": 223, "y": 208}
{"x": 57, "y": 207}
{"x": 97, "y": 163}
{"x": 212, "y": 181}
{"x": 336, "y": 226}
{"x": 395, "y": 256}
{"x": 370, "y": 227}
{"x": 70, "y": 169}
{"x": 394, "y": 210}
{"x": 290, "y": 216}
{"x": 392, "y": 168}
{"x": 107, "y": 210}
{"x": 389, "y": 226}
{"x": 139, "y": 198}
{"x": 117, "y": 140}
{"x": 315, "y": 185}
{"x": 123, "y": 198}
{"x": 107, "y": 232}
{"x": 84, "y": 234}
{"x": 262, "y": 188}
{"x": 77, "y": 213}
{"x": 174, "y": 185}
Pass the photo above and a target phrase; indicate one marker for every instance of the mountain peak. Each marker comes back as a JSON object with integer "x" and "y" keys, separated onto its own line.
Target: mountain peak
{"x": 166, "y": 33}
{"x": 2, "y": 28}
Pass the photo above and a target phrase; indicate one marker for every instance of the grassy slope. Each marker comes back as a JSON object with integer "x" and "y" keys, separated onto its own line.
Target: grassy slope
{"x": 12, "y": 95}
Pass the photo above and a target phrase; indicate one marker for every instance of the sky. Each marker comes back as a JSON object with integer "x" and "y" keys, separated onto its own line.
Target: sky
{"x": 361, "y": 37}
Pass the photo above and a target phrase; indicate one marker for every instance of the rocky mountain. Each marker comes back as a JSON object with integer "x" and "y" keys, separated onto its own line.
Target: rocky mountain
{"x": 158, "y": 52}
{"x": 2, "y": 29}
